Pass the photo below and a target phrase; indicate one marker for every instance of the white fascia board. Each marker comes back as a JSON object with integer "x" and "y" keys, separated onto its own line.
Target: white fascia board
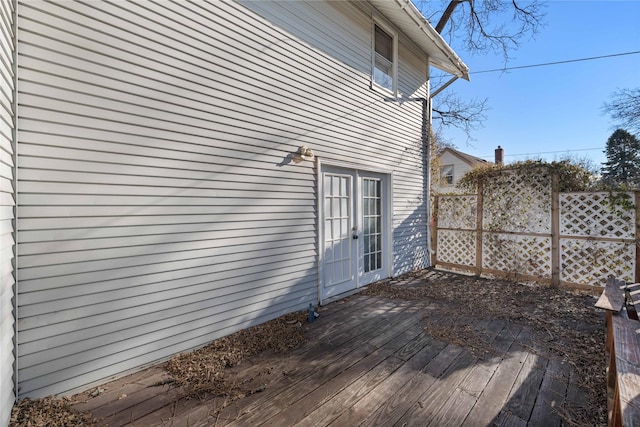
{"x": 408, "y": 19}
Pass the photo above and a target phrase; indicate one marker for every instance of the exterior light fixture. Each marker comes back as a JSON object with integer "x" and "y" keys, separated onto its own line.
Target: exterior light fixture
{"x": 305, "y": 153}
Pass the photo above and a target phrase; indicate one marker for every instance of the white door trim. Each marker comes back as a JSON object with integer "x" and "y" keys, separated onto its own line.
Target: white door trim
{"x": 352, "y": 165}
{"x": 387, "y": 226}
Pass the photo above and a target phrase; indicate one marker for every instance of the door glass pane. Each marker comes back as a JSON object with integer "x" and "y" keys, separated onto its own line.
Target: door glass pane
{"x": 337, "y": 210}
{"x": 344, "y": 186}
{"x": 335, "y": 181}
{"x": 372, "y": 221}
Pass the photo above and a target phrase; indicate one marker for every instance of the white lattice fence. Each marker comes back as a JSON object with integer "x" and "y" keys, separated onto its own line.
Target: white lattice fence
{"x": 595, "y": 233}
{"x": 458, "y": 212}
{"x": 457, "y": 222}
{"x": 595, "y": 215}
{"x": 591, "y": 262}
{"x": 508, "y": 253}
{"x": 597, "y": 238}
{"x": 457, "y": 247}
{"x": 515, "y": 204}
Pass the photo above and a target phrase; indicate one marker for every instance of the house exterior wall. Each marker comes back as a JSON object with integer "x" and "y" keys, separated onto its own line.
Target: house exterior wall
{"x": 7, "y": 204}
{"x": 160, "y": 204}
{"x": 460, "y": 167}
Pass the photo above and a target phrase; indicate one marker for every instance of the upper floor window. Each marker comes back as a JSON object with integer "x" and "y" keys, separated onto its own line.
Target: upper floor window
{"x": 384, "y": 59}
{"x": 446, "y": 175}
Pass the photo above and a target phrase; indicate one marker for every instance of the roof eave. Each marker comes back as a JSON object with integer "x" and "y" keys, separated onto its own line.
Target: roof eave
{"x": 404, "y": 15}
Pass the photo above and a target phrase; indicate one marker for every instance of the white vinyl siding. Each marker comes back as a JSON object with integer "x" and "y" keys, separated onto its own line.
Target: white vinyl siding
{"x": 460, "y": 167}
{"x": 7, "y": 203}
{"x": 160, "y": 206}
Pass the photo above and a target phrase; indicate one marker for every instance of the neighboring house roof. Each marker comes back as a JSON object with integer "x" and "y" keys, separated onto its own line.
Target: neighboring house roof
{"x": 404, "y": 15}
{"x": 467, "y": 158}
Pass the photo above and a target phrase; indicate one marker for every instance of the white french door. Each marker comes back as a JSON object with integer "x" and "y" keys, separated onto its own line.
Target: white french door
{"x": 355, "y": 229}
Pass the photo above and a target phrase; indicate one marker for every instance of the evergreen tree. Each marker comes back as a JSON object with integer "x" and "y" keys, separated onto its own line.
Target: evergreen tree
{"x": 623, "y": 160}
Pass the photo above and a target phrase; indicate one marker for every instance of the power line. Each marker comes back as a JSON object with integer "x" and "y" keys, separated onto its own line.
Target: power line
{"x": 556, "y": 62}
{"x": 548, "y": 152}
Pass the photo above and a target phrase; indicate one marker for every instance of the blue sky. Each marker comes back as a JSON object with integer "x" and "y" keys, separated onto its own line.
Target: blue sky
{"x": 555, "y": 108}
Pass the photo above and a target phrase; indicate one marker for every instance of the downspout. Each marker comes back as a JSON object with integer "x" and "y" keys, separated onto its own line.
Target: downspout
{"x": 14, "y": 135}
{"x": 427, "y": 113}
{"x": 426, "y": 140}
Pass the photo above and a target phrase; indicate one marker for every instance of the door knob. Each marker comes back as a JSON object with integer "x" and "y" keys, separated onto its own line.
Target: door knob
{"x": 355, "y": 237}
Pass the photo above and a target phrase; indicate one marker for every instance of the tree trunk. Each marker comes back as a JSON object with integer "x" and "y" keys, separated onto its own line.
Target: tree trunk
{"x": 447, "y": 14}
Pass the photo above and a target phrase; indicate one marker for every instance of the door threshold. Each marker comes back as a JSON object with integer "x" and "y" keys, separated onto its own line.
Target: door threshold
{"x": 342, "y": 295}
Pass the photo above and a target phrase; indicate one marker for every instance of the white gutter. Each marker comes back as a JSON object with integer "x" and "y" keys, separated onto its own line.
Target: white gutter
{"x": 405, "y": 15}
{"x": 410, "y": 9}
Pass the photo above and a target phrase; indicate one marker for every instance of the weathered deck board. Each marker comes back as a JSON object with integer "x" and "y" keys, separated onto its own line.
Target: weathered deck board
{"x": 334, "y": 364}
{"x": 445, "y": 402}
{"x": 613, "y": 296}
{"x": 124, "y": 386}
{"x": 627, "y": 360}
{"x": 386, "y": 389}
{"x": 302, "y": 414}
{"x": 370, "y": 361}
{"x": 351, "y": 394}
{"x": 395, "y": 408}
{"x": 526, "y": 387}
{"x": 456, "y": 409}
{"x": 495, "y": 394}
{"x": 551, "y": 395}
{"x": 433, "y": 399}
{"x": 381, "y": 342}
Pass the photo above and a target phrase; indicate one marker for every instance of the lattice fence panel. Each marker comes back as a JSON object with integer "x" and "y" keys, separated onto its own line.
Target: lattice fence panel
{"x": 591, "y": 262}
{"x": 458, "y": 212}
{"x": 592, "y": 215}
{"x": 517, "y": 203}
{"x": 517, "y": 254}
{"x": 457, "y": 247}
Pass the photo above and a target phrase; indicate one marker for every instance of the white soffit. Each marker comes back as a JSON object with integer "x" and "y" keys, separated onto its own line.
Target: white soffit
{"x": 408, "y": 19}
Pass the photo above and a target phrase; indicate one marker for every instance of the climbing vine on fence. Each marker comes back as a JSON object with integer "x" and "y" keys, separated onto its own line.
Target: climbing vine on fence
{"x": 594, "y": 231}
{"x": 515, "y": 202}
{"x": 571, "y": 176}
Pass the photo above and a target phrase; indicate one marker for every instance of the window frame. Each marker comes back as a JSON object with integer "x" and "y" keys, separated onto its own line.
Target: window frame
{"x": 394, "y": 63}
{"x": 443, "y": 177}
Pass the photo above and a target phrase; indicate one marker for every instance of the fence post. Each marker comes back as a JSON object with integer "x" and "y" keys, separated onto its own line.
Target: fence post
{"x": 636, "y": 277}
{"x": 479, "y": 209}
{"x": 434, "y": 231}
{"x": 555, "y": 231}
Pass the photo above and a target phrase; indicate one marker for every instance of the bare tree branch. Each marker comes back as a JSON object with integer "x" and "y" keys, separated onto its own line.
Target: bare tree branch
{"x": 625, "y": 108}
{"x": 486, "y": 25}
{"x": 480, "y": 26}
{"x": 466, "y": 115}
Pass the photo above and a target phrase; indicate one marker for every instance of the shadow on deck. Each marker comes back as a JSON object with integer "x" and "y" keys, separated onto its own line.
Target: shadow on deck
{"x": 369, "y": 361}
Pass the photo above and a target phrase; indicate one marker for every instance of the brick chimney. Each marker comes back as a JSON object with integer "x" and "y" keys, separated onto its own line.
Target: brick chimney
{"x": 499, "y": 156}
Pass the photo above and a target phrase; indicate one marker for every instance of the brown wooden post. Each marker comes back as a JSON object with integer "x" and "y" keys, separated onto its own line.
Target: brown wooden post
{"x": 555, "y": 231}
{"x": 636, "y": 277}
{"x": 434, "y": 231}
{"x": 479, "y": 209}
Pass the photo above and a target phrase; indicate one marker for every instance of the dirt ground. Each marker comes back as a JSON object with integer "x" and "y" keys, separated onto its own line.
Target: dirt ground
{"x": 565, "y": 325}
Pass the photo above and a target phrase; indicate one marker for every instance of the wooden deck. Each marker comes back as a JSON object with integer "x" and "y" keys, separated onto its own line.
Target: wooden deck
{"x": 371, "y": 362}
